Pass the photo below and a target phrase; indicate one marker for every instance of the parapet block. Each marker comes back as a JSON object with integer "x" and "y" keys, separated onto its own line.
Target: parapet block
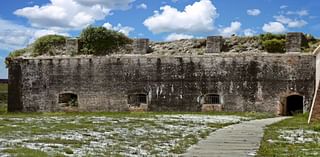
{"x": 72, "y": 46}
{"x": 214, "y": 44}
{"x": 295, "y": 41}
{"x": 140, "y": 46}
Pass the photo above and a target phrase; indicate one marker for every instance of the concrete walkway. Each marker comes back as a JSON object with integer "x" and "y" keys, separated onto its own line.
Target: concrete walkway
{"x": 239, "y": 140}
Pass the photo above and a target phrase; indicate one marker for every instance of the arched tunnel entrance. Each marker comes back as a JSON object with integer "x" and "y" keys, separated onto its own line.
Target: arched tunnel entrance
{"x": 294, "y": 105}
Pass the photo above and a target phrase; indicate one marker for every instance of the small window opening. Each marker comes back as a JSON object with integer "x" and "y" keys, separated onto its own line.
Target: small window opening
{"x": 137, "y": 99}
{"x": 68, "y": 99}
{"x": 212, "y": 99}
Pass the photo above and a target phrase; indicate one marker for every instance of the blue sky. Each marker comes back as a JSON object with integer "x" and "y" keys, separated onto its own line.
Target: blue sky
{"x": 22, "y": 21}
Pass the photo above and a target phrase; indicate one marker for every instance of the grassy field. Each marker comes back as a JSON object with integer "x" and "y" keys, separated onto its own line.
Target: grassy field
{"x": 109, "y": 134}
{"x": 291, "y": 138}
{"x": 3, "y": 97}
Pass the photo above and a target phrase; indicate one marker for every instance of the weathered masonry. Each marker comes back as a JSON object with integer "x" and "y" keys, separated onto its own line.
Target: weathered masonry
{"x": 277, "y": 83}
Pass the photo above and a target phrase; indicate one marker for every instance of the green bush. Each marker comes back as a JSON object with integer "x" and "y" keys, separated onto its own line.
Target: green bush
{"x": 270, "y": 36}
{"x": 47, "y": 44}
{"x": 274, "y": 45}
{"x": 101, "y": 41}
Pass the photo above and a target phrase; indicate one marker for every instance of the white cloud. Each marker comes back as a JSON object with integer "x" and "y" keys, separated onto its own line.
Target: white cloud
{"x": 253, "y": 12}
{"x": 232, "y": 29}
{"x": 274, "y": 27}
{"x": 198, "y": 17}
{"x": 249, "y": 32}
{"x": 14, "y": 36}
{"x": 282, "y": 19}
{"x": 111, "y": 4}
{"x": 297, "y": 23}
{"x": 290, "y": 22}
{"x": 300, "y": 12}
{"x": 70, "y": 14}
{"x": 283, "y": 6}
{"x": 142, "y": 6}
{"x": 175, "y": 36}
{"x": 123, "y": 29}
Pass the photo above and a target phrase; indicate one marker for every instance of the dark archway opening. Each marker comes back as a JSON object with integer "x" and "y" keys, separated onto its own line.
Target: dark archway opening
{"x": 68, "y": 100}
{"x": 294, "y": 105}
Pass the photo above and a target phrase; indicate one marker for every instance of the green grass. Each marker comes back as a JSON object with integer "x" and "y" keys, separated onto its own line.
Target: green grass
{"x": 25, "y": 152}
{"x": 282, "y": 148}
{"x": 3, "y": 93}
{"x": 3, "y": 97}
{"x": 3, "y": 87}
{"x": 58, "y": 141}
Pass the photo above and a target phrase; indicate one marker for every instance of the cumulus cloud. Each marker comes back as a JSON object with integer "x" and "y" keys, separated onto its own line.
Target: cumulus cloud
{"x": 249, "y": 32}
{"x": 253, "y": 12}
{"x": 274, "y": 27}
{"x": 142, "y": 6}
{"x": 232, "y": 29}
{"x": 175, "y": 36}
{"x": 198, "y": 17}
{"x": 70, "y": 14}
{"x": 123, "y": 29}
{"x": 290, "y": 22}
{"x": 14, "y": 36}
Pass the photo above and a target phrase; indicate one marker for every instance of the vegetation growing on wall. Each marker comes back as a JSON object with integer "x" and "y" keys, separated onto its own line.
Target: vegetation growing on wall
{"x": 270, "y": 36}
{"x": 311, "y": 44}
{"x": 16, "y": 53}
{"x": 273, "y": 43}
{"x": 101, "y": 41}
{"x": 47, "y": 44}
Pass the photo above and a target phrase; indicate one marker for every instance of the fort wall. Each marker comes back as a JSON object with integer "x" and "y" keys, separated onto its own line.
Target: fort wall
{"x": 244, "y": 82}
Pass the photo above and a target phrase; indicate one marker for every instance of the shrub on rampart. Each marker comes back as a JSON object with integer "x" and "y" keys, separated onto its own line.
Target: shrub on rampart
{"x": 270, "y": 36}
{"x": 47, "y": 44}
{"x": 274, "y": 45}
{"x": 101, "y": 41}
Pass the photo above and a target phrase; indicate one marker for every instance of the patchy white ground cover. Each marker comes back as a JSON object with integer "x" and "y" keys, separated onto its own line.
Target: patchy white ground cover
{"x": 162, "y": 135}
{"x": 300, "y": 136}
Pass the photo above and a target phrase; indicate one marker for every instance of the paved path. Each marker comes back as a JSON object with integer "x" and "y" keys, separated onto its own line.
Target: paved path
{"x": 239, "y": 140}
